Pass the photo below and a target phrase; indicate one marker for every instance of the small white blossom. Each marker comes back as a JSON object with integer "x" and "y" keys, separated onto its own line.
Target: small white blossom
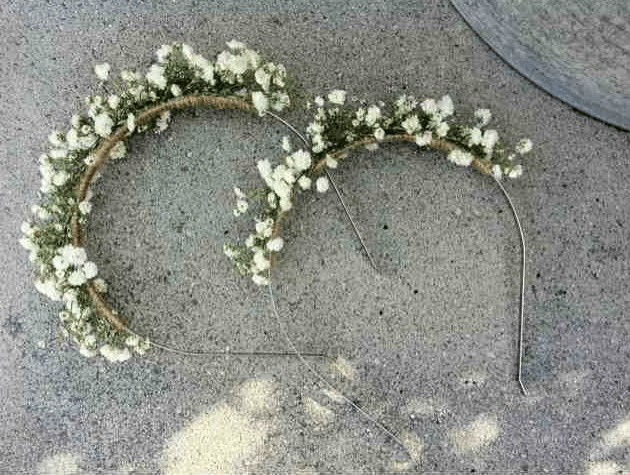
{"x": 446, "y": 107}
{"x": 322, "y": 184}
{"x": 264, "y": 168}
{"x": 304, "y": 182}
{"x": 301, "y": 160}
{"x": 429, "y": 106}
{"x": 85, "y": 207}
{"x": 58, "y": 153}
{"x": 118, "y": 151}
{"x": 101, "y": 285}
{"x": 373, "y": 114}
{"x": 77, "y": 278}
{"x": 260, "y": 101}
{"x": 264, "y": 228}
{"x": 102, "y": 71}
{"x": 236, "y": 45}
{"x": 475, "y": 136}
{"x": 103, "y": 124}
{"x": 260, "y": 280}
{"x": 131, "y": 122}
{"x": 275, "y": 245}
{"x": 524, "y": 146}
{"x": 319, "y": 101}
{"x": 163, "y": 121}
{"x": 49, "y": 289}
{"x": 156, "y": 76}
{"x": 60, "y": 178}
{"x": 60, "y": 263}
{"x": 424, "y": 139}
{"x": 239, "y": 193}
{"x": 337, "y": 97}
{"x": 497, "y": 172}
{"x": 331, "y": 162}
{"x": 89, "y": 270}
{"x": 489, "y": 140}
{"x": 56, "y": 138}
{"x": 379, "y": 134}
{"x": 75, "y": 255}
{"x": 460, "y": 157}
{"x": 484, "y": 116}
{"x": 261, "y": 263}
{"x": 163, "y": 52}
{"x": 516, "y": 172}
{"x": 115, "y": 355}
{"x": 411, "y": 124}
{"x": 442, "y": 129}
{"x": 176, "y": 90}
{"x": 241, "y": 207}
{"x": 272, "y": 200}
{"x": 286, "y": 145}
{"x": 263, "y": 78}
{"x": 285, "y": 203}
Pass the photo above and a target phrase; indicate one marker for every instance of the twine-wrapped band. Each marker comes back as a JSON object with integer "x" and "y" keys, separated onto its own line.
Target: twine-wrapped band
{"x": 436, "y": 144}
{"x": 103, "y": 310}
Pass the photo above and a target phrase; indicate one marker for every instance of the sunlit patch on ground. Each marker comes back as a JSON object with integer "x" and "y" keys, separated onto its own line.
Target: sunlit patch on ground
{"x": 475, "y": 436}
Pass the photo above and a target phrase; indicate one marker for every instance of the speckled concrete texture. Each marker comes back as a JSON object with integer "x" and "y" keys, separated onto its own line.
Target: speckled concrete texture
{"x": 427, "y": 344}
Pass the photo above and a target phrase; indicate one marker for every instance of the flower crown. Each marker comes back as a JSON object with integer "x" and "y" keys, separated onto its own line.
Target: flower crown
{"x": 55, "y": 233}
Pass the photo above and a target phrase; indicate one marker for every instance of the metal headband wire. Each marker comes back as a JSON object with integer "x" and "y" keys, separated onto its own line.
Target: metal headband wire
{"x": 358, "y": 234}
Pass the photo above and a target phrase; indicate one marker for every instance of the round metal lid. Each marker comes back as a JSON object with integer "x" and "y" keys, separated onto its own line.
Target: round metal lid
{"x": 577, "y": 50}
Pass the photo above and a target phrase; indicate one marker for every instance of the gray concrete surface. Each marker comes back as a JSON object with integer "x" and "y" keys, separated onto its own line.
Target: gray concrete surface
{"x": 427, "y": 344}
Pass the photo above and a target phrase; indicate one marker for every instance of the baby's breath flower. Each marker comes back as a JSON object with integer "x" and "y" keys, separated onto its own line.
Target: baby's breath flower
{"x": 156, "y": 76}
{"x": 302, "y": 160}
{"x": 442, "y": 129}
{"x": 446, "y": 107}
{"x": 429, "y": 106}
{"x": 516, "y": 172}
{"x": 77, "y": 278}
{"x": 101, "y": 285}
{"x": 424, "y": 139}
{"x": 275, "y": 245}
{"x": 260, "y": 101}
{"x": 319, "y": 101}
{"x": 176, "y": 90}
{"x": 379, "y": 134}
{"x": 524, "y": 146}
{"x": 373, "y": 114}
{"x": 475, "y": 136}
{"x": 163, "y": 53}
{"x": 304, "y": 182}
{"x": 337, "y": 97}
{"x": 496, "y": 171}
{"x": 260, "y": 280}
{"x": 102, "y": 71}
{"x": 131, "y": 122}
{"x": 411, "y": 124}
{"x": 119, "y": 151}
{"x": 103, "y": 124}
{"x": 89, "y": 269}
{"x": 113, "y": 354}
{"x": 163, "y": 121}
{"x": 263, "y": 78}
{"x": 286, "y": 145}
{"x": 331, "y": 162}
{"x": 261, "y": 263}
{"x": 484, "y": 116}
{"x": 322, "y": 184}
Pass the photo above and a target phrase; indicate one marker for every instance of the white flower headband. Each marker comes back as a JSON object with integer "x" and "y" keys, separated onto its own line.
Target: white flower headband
{"x": 238, "y": 79}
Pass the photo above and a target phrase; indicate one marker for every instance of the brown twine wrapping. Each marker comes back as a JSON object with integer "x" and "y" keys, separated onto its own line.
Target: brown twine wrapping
{"x": 103, "y": 310}
{"x": 437, "y": 144}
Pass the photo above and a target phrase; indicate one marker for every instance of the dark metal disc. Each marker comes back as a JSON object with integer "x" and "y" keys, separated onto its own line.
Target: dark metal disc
{"x": 577, "y": 50}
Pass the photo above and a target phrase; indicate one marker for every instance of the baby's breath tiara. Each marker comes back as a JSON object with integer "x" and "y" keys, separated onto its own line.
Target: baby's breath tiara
{"x": 55, "y": 233}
